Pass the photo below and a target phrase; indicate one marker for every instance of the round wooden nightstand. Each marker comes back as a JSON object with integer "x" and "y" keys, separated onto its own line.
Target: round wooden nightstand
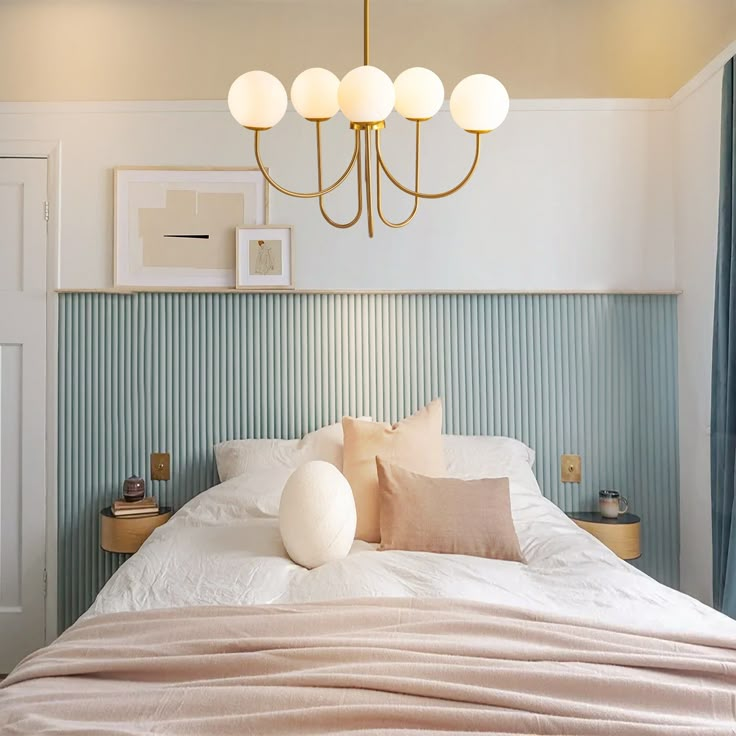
{"x": 126, "y": 534}
{"x": 622, "y": 535}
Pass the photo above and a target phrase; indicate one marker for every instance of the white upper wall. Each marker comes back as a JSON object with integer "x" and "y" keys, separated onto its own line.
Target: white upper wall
{"x": 697, "y": 122}
{"x": 565, "y": 197}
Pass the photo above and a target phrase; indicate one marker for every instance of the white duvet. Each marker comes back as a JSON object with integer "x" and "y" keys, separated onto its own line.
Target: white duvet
{"x": 224, "y": 548}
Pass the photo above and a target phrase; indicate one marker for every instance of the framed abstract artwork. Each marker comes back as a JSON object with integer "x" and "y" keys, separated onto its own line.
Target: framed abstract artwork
{"x": 265, "y": 257}
{"x": 175, "y": 227}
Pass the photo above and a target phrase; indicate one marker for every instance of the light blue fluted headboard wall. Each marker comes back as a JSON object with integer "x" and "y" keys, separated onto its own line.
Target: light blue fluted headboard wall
{"x": 588, "y": 374}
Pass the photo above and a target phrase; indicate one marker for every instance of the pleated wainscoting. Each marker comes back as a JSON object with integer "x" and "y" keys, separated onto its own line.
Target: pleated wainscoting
{"x": 587, "y": 374}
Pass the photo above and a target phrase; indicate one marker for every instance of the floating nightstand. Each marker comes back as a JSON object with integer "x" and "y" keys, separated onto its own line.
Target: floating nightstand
{"x": 125, "y": 534}
{"x": 621, "y": 535}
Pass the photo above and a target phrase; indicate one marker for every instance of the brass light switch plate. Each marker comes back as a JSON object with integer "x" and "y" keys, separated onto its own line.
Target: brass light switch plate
{"x": 571, "y": 468}
{"x": 160, "y": 466}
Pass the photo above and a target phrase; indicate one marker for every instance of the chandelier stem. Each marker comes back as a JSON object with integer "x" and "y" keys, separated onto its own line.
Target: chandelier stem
{"x": 432, "y": 195}
{"x": 368, "y": 187}
{"x": 379, "y": 208}
{"x": 303, "y": 195}
{"x": 366, "y": 32}
{"x": 341, "y": 225}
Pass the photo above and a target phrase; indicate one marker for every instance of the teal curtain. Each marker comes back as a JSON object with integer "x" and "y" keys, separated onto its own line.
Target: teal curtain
{"x": 723, "y": 398}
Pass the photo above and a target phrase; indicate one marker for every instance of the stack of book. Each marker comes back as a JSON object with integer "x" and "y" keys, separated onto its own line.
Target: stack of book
{"x": 145, "y": 507}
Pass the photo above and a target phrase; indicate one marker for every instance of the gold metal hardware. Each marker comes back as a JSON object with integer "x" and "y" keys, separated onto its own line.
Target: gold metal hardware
{"x": 425, "y": 195}
{"x": 571, "y": 469}
{"x": 160, "y": 466}
{"x": 368, "y": 189}
{"x": 385, "y": 220}
{"x": 368, "y": 126}
{"x": 305, "y": 195}
{"x": 341, "y": 225}
{"x": 362, "y": 157}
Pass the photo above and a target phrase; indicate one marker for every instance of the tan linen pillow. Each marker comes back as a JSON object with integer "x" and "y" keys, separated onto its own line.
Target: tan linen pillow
{"x": 448, "y": 515}
{"x": 414, "y": 443}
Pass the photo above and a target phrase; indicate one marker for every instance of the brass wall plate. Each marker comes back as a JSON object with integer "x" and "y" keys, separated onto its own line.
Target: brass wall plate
{"x": 571, "y": 469}
{"x": 160, "y": 466}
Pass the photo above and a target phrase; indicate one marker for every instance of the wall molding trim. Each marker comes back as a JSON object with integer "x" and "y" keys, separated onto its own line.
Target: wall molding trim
{"x": 711, "y": 68}
{"x": 505, "y": 292}
{"x": 562, "y": 104}
{"x": 590, "y": 104}
{"x": 593, "y": 104}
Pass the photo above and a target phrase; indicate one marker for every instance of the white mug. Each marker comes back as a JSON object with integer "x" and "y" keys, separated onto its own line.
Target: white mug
{"x": 612, "y": 503}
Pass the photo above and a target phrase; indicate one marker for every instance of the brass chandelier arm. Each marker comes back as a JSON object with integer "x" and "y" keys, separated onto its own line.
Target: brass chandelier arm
{"x": 304, "y": 195}
{"x": 426, "y": 195}
{"x": 341, "y": 225}
{"x": 413, "y": 212}
{"x": 368, "y": 188}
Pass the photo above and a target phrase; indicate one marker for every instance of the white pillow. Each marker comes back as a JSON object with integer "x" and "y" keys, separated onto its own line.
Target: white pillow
{"x": 325, "y": 444}
{"x": 485, "y": 457}
{"x": 255, "y": 494}
{"x": 317, "y": 514}
{"x": 238, "y": 457}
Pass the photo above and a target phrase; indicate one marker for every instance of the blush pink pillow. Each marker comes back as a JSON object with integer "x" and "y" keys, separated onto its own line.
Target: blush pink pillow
{"x": 446, "y": 515}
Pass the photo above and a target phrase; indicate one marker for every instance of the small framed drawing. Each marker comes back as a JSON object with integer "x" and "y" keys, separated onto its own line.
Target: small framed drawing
{"x": 264, "y": 257}
{"x": 175, "y": 228}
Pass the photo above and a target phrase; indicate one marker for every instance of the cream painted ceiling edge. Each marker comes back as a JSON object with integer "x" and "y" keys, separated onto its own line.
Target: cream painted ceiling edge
{"x": 178, "y": 49}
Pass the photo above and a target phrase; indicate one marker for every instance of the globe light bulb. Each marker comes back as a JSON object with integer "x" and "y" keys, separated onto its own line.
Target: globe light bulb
{"x": 366, "y": 95}
{"x": 314, "y": 94}
{"x": 257, "y": 100}
{"x": 479, "y": 103}
{"x": 419, "y": 93}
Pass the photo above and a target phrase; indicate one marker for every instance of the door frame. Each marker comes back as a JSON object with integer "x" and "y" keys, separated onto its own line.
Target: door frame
{"x": 51, "y": 151}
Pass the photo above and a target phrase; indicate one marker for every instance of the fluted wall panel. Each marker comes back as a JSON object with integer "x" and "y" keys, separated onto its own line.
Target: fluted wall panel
{"x": 587, "y": 374}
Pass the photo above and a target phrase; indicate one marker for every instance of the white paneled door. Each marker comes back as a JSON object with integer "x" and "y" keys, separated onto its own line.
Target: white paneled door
{"x": 23, "y": 213}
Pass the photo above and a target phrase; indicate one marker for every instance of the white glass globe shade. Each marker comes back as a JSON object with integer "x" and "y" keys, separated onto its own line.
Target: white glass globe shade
{"x": 366, "y": 95}
{"x": 419, "y": 93}
{"x": 314, "y": 94}
{"x": 479, "y": 103}
{"x": 257, "y": 100}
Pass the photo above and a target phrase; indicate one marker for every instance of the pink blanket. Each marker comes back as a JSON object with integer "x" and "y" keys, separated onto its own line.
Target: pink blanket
{"x": 382, "y": 665}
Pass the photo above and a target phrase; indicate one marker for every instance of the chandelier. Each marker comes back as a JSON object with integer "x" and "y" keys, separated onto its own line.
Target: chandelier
{"x": 366, "y": 96}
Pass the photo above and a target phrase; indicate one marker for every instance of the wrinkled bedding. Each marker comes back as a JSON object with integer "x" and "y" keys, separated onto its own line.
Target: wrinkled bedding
{"x": 575, "y": 641}
{"x": 224, "y": 548}
{"x": 381, "y": 665}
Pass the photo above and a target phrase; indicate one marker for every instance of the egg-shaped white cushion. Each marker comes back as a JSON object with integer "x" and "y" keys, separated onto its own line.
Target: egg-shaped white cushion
{"x": 317, "y": 514}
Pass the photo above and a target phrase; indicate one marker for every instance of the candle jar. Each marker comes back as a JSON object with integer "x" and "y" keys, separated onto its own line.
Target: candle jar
{"x": 134, "y": 488}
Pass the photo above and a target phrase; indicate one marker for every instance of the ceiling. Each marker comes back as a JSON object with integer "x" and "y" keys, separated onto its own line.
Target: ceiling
{"x": 192, "y": 49}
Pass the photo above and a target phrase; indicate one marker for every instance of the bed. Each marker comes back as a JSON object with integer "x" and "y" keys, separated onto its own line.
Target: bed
{"x": 210, "y": 628}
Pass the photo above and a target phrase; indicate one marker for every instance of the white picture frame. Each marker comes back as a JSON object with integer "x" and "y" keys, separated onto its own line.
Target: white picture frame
{"x": 174, "y": 227}
{"x": 264, "y": 257}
